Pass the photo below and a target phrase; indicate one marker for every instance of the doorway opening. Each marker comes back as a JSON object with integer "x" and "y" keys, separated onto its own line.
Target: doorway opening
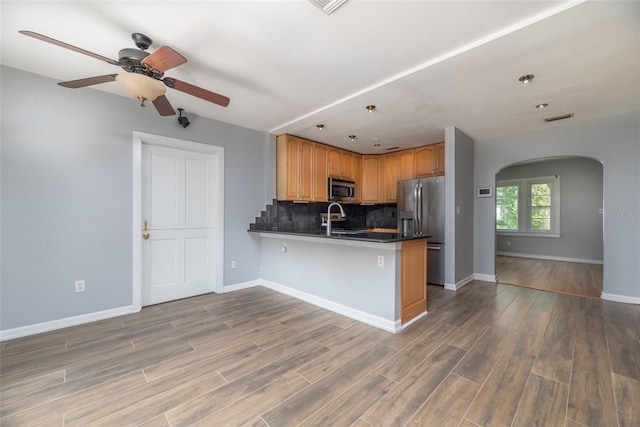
{"x": 549, "y": 225}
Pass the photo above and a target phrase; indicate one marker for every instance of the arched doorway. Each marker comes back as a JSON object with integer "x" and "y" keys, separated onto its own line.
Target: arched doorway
{"x": 549, "y": 225}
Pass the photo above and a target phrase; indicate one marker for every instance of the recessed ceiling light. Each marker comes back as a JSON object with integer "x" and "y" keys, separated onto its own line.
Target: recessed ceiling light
{"x": 544, "y": 105}
{"x": 320, "y": 127}
{"x": 526, "y": 78}
{"x": 370, "y": 108}
{"x": 352, "y": 138}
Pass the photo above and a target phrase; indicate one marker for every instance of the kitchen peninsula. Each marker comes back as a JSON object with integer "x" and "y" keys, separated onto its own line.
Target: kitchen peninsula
{"x": 376, "y": 278}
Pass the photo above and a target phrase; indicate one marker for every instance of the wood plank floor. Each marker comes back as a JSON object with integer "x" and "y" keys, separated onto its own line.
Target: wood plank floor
{"x": 487, "y": 355}
{"x": 570, "y": 278}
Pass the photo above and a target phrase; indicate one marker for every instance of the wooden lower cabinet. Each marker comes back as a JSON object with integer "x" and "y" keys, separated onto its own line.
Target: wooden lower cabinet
{"x": 413, "y": 279}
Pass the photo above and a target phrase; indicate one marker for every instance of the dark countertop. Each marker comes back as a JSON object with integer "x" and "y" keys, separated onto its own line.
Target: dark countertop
{"x": 358, "y": 235}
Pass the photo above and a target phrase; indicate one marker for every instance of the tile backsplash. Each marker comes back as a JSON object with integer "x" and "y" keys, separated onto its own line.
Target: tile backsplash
{"x": 305, "y": 217}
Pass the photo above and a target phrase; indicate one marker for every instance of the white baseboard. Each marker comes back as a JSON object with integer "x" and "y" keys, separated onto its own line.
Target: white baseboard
{"x": 551, "y": 258}
{"x": 242, "y": 285}
{"x": 459, "y": 284}
{"x": 65, "y": 323}
{"x": 620, "y": 298}
{"x": 361, "y": 316}
{"x": 485, "y": 277}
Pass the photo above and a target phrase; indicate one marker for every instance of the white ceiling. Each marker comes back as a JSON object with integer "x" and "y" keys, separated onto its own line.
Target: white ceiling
{"x": 426, "y": 65}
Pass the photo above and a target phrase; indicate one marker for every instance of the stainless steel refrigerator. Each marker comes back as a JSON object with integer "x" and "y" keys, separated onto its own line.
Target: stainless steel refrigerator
{"x": 421, "y": 211}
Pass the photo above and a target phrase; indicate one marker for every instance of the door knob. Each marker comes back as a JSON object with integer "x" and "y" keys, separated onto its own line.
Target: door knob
{"x": 145, "y": 235}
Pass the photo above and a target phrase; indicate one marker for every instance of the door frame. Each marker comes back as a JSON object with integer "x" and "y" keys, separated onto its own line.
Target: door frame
{"x": 140, "y": 138}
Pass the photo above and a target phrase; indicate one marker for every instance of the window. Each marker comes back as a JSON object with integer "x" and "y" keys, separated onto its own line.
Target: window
{"x": 507, "y": 207}
{"x": 528, "y": 206}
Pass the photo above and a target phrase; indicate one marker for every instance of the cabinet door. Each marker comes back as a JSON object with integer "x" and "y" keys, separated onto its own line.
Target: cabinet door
{"x": 370, "y": 188}
{"x": 439, "y": 159}
{"x": 305, "y": 169}
{"x": 348, "y": 171}
{"x": 406, "y": 165}
{"x": 413, "y": 279}
{"x": 425, "y": 161}
{"x": 390, "y": 177}
{"x": 357, "y": 175}
{"x": 335, "y": 162}
{"x": 287, "y": 166}
{"x": 320, "y": 175}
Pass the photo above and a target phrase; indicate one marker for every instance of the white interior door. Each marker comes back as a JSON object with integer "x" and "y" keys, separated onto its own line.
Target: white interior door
{"x": 178, "y": 245}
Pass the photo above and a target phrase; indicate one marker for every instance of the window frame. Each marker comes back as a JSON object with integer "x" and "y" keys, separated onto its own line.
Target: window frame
{"x": 525, "y": 206}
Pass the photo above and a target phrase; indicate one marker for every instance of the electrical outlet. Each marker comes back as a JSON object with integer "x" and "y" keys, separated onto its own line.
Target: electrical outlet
{"x": 80, "y": 286}
{"x": 380, "y": 261}
{"x": 233, "y": 264}
{"x": 508, "y": 242}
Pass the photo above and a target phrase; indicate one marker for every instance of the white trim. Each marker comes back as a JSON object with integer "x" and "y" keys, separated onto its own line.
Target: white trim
{"x": 551, "y": 258}
{"x": 218, "y": 152}
{"x": 135, "y": 223}
{"x": 485, "y": 277}
{"x": 361, "y": 316}
{"x": 459, "y": 284}
{"x": 400, "y": 327}
{"x": 620, "y": 298}
{"x": 505, "y": 233}
{"x": 65, "y": 323}
{"x": 240, "y": 286}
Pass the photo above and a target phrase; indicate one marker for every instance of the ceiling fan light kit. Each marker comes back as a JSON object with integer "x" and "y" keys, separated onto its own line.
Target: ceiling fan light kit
{"x": 141, "y": 87}
{"x": 144, "y": 77}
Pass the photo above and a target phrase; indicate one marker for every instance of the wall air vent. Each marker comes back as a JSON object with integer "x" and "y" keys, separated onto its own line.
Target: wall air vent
{"x": 553, "y": 119}
{"x": 328, "y": 6}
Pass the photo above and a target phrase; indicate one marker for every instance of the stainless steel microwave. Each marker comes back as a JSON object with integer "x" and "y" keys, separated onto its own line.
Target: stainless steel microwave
{"x": 341, "y": 190}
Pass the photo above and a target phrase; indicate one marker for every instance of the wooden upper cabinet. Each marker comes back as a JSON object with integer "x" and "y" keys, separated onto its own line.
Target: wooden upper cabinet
{"x": 342, "y": 164}
{"x": 294, "y": 168}
{"x": 370, "y": 187}
{"x": 320, "y": 173}
{"x": 348, "y": 165}
{"x": 429, "y": 160}
{"x": 390, "y": 177}
{"x": 335, "y": 162}
{"x": 406, "y": 165}
{"x": 357, "y": 175}
{"x": 440, "y": 159}
{"x": 303, "y": 166}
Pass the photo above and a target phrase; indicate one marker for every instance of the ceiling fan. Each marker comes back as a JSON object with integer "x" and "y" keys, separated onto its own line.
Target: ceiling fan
{"x": 144, "y": 75}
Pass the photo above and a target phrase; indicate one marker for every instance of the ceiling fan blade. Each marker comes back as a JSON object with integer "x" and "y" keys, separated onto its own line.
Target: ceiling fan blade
{"x": 164, "y": 59}
{"x": 163, "y": 106}
{"x": 68, "y": 46}
{"x": 75, "y": 84}
{"x": 199, "y": 92}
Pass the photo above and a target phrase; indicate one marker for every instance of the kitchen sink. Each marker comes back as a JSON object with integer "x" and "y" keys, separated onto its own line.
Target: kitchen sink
{"x": 348, "y": 232}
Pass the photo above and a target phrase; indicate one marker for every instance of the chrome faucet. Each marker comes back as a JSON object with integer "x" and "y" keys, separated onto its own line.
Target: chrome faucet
{"x": 329, "y": 215}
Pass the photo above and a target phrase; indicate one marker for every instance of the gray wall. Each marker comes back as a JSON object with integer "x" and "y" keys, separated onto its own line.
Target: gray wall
{"x": 615, "y": 142}
{"x": 459, "y": 208}
{"x": 336, "y": 273}
{"x": 67, "y": 196}
{"x": 580, "y": 201}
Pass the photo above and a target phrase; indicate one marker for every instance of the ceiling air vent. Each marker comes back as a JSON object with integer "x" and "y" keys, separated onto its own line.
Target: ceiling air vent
{"x": 553, "y": 119}
{"x": 392, "y": 148}
{"x": 328, "y": 6}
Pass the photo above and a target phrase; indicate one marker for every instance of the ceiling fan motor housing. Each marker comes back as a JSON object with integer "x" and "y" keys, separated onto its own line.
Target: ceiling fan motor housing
{"x": 131, "y": 60}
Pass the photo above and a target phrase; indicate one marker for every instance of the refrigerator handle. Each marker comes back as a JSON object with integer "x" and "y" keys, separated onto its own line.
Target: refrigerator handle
{"x": 415, "y": 209}
{"x": 420, "y": 209}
